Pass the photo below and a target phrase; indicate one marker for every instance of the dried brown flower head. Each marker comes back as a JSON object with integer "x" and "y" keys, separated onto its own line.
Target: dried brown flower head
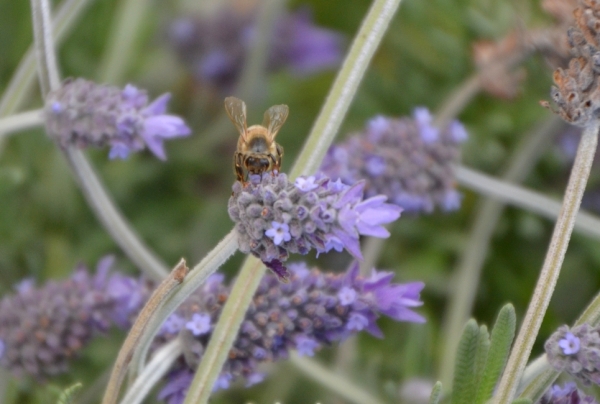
{"x": 577, "y": 92}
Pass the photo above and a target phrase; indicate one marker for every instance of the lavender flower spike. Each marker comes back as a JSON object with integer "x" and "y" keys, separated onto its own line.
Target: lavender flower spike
{"x": 407, "y": 159}
{"x": 83, "y": 113}
{"x": 313, "y": 310}
{"x": 576, "y": 351}
{"x": 41, "y": 329}
{"x": 569, "y": 394}
{"x": 275, "y": 217}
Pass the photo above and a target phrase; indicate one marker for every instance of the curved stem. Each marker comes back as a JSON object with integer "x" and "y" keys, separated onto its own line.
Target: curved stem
{"x": 157, "y": 367}
{"x": 166, "y": 289}
{"x": 198, "y": 274}
{"x": 22, "y": 80}
{"x": 466, "y": 278}
{"x": 551, "y": 268}
{"x": 111, "y": 218}
{"x": 322, "y": 134}
{"x": 457, "y": 101}
{"x": 524, "y": 198}
{"x": 44, "y": 49}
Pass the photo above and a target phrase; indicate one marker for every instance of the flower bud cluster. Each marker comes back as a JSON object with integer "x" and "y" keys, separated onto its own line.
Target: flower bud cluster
{"x": 275, "y": 217}
{"x": 407, "y": 159}
{"x": 83, "y": 113}
{"x": 313, "y": 310}
{"x": 214, "y": 48}
{"x": 576, "y": 351}
{"x": 41, "y": 329}
{"x": 577, "y": 90}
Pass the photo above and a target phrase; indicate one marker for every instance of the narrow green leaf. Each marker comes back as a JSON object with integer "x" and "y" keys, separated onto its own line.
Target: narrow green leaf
{"x": 483, "y": 347}
{"x": 436, "y": 393}
{"x": 463, "y": 389}
{"x": 502, "y": 337}
{"x": 522, "y": 401}
{"x": 67, "y": 395}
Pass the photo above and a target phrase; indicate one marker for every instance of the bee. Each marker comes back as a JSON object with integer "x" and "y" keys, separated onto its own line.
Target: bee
{"x": 257, "y": 151}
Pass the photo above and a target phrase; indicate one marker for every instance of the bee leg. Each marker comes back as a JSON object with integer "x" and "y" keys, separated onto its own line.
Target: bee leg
{"x": 237, "y": 167}
{"x": 277, "y": 159}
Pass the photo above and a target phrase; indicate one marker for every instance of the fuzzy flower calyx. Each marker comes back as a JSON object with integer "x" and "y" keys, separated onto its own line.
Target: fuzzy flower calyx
{"x": 83, "y": 113}
{"x": 408, "y": 160}
{"x": 577, "y": 90}
{"x": 275, "y": 217}
{"x": 42, "y": 328}
{"x": 313, "y": 310}
{"x": 576, "y": 351}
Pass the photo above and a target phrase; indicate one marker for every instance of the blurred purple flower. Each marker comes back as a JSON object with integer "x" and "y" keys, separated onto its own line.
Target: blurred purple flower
{"x": 408, "y": 160}
{"x": 569, "y": 394}
{"x": 199, "y": 324}
{"x": 275, "y": 217}
{"x": 41, "y": 329}
{"x": 83, "y": 113}
{"x": 214, "y": 48}
{"x": 311, "y": 311}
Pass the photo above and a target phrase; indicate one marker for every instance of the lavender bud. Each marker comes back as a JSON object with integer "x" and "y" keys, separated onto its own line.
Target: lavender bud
{"x": 569, "y": 394}
{"x": 41, "y": 329}
{"x": 576, "y": 351}
{"x": 312, "y": 213}
{"x": 408, "y": 160}
{"x": 313, "y": 310}
{"x": 83, "y": 113}
{"x": 215, "y": 48}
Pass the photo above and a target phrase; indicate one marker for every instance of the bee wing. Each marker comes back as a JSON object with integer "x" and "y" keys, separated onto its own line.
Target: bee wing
{"x": 274, "y": 119}
{"x": 236, "y": 109}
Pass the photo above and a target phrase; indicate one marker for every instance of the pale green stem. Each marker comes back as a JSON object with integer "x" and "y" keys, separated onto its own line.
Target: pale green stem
{"x": 547, "y": 281}
{"x": 163, "y": 291}
{"x": 321, "y": 137}
{"x": 20, "y": 122}
{"x": 111, "y": 218}
{"x": 372, "y": 248}
{"x": 22, "y": 81}
{"x": 44, "y": 49}
{"x": 456, "y": 102}
{"x": 198, "y": 274}
{"x": 466, "y": 278}
{"x": 524, "y": 198}
{"x": 124, "y": 35}
{"x": 253, "y": 76}
{"x": 90, "y": 184}
{"x": 157, "y": 367}
{"x": 334, "y": 382}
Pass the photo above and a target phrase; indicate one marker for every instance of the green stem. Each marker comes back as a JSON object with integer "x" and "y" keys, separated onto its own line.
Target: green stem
{"x": 524, "y": 198}
{"x": 124, "y": 34}
{"x": 556, "y": 252}
{"x": 20, "y": 122}
{"x": 322, "y": 134}
{"x": 198, "y": 274}
{"x": 466, "y": 278}
{"x": 22, "y": 80}
{"x": 44, "y": 49}
{"x": 111, "y": 218}
{"x": 333, "y": 381}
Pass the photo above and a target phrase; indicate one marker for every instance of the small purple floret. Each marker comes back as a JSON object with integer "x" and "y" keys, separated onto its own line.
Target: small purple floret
{"x": 569, "y": 344}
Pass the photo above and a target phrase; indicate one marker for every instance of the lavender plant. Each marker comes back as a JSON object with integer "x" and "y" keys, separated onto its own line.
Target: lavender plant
{"x": 213, "y": 334}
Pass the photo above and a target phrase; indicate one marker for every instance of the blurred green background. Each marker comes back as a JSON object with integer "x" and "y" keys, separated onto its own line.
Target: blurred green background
{"x": 179, "y": 206}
